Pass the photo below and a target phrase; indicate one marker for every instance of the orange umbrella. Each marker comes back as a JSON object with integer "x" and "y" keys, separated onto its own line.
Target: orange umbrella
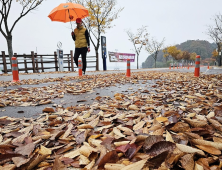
{"x": 66, "y": 12}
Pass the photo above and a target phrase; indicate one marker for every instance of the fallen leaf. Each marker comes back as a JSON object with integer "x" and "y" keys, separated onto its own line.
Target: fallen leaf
{"x": 149, "y": 141}
{"x": 110, "y": 157}
{"x": 135, "y": 166}
{"x": 187, "y": 161}
{"x": 160, "y": 147}
{"x": 25, "y": 150}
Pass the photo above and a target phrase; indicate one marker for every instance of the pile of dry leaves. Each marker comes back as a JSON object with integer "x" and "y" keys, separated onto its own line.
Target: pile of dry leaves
{"x": 174, "y": 125}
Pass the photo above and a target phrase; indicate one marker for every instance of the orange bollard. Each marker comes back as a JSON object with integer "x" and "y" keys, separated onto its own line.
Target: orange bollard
{"x": 15, "y": 73}
{"x": 80, "y": 67}
{"x": 197, "y": 66}
{"x": 177, "y": 65}
{"x": 208, "y": 66}
{"x": 173, "y": 66}
{"x": 128, "y": 68}
{"x": 188, "y": 66}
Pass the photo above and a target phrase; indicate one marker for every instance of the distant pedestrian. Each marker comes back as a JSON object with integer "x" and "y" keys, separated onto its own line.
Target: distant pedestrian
{"x": 82, "y": 44}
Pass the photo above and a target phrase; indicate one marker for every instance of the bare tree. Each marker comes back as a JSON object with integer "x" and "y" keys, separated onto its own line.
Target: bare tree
{"x": 102, "y": 13}
{"x": 154, "y": 47}
{"x": 215, "y": 33}
{"x": 5, "y": 8}
{"x": 139, "y": 40}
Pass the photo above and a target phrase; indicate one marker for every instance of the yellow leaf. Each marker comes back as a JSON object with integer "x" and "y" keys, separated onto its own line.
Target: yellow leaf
{"x": 44, "y": 151}
{"x": 162, "y": 119}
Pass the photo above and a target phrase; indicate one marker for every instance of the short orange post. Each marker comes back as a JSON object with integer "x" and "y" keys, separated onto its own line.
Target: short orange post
{"x": 170, "y": 67}
{"x": 177, "y": 65}
{"x": 188, "y": 66}
{"x": 80, "y": 67}
{"x": 197, "y": 66}
{"x": 15, "y": 73}
{"x": 173, "y": 66}
{"x": 128, "y": 68}
{"x": 208, "y": 66}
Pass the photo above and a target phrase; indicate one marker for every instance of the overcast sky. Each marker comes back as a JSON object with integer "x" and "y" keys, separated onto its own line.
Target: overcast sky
{"x": 176, "y": 20}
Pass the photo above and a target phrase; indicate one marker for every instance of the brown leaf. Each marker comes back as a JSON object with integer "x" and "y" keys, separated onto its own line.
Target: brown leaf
{"x": 160, "y": 147}
{"x": 81, "y": 101}
{"x": 44, "y": 151}
{"x": 76, "y": 164}
{"x": 195, "y": 122}
{"x": 108, "y": 143}
{"x": 215, "y": 124}
{"x": 192, "y": 135}
{"x": 133, "y": 149}
{"x": 18, "y": 161}
{"x": 28, "y": 140}
{"x": 58, "y": 165}
{"x": 81, "y": 137}
{"x": 187, "y": 161}
{"x": 201, "y": 131}
{"x": 156, "y": 161}
{"x": 7, "y": 156}
{"x": 68, "y": 131}
{"x": 149, "y": 141}
{"x": 208, "y": 143}
{"x": 110, "y": 157}
{"x": 65, "y": 149}
{"x": 5, "y": 122}
{"x": 189, "y": 149}
{"x": 35, "y": 161}
{"x": 210, "y": 149}
{"x": 123, "y": 148}
{"x": 25, "y": 150}
{"x": 110, "y": 166}
{"x": 180, "y": 127}
{"x": 162, "y": 119}
{"x": 204, "y": 163}
{"x": 13, "y": 134}
{"x": 67, "y": 160}
{"x": 8, "y": 167}
{"x": 48, "y": 110}
{"x": 135, "y": 166}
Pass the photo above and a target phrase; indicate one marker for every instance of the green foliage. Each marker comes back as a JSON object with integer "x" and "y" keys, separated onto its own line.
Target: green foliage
{"x": 200, "y": 47}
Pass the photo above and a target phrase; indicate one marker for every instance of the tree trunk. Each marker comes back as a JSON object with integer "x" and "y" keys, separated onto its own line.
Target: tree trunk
{"x": 9, "y": 43}
{"x": 97, "y": 60}
{"x": 155, "y": 58}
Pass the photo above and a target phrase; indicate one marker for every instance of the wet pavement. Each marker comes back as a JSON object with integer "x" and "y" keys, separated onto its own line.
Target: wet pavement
{"x": 86, "y": 98}
{"x": 73, "y": 100}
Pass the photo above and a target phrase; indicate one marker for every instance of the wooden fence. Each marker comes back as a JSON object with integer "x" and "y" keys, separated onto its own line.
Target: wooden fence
{"x": 36, "y": 63}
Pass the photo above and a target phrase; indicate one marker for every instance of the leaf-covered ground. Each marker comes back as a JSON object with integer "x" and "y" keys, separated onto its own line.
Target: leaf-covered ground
{"x": 174, "y": 125}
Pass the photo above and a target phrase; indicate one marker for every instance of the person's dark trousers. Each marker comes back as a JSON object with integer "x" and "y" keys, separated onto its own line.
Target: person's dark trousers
{"x": 82, "y": 52}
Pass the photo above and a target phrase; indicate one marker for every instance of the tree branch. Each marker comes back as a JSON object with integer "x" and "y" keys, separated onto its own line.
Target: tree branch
{"x": 9, "y": 7}
{"x": 30, "y": 8}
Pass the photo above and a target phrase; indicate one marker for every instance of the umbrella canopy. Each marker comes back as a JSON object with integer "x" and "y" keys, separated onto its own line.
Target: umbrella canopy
{"x": 66, "y": 12}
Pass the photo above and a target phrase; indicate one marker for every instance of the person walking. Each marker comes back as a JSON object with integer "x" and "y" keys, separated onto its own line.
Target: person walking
{"x": 82, "y": 44}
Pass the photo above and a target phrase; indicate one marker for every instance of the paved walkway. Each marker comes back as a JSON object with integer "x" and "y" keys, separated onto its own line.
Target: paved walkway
{"x": 73, "y": 100}
{"x": 204, "y": 70}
